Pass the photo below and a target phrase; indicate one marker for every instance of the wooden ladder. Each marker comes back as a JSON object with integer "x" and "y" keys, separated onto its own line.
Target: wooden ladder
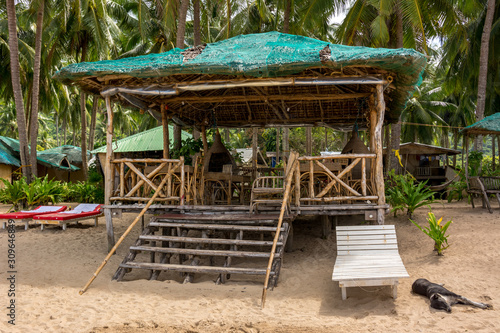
{"x": 208, "y": 244}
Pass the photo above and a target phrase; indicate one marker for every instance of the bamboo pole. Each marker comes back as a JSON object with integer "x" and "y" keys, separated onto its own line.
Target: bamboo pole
{"x": 379, "y": 172}
{"x": 166, "y": 135}
{"x": 143, "y": 211}
{"x": 108, "y": 188}
{"x": 334, "y": 157}
{"x": 293, "y": 159}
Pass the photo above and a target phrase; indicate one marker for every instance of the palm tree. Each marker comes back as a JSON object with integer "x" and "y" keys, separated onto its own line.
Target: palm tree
{"x": 16, "y": 87}
{"x": 483, "y": 68}
{"x": 36, "y": 85}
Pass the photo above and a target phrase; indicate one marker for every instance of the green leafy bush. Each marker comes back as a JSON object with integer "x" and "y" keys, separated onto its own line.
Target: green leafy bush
{"x": 189, "y": 147}
{"x": 39, "y": 192}
{"x": 86, "y": 192}
{"x": 436, "y": 231}
{"x": 403, "y": 192}
{"x": 13, "y": 193}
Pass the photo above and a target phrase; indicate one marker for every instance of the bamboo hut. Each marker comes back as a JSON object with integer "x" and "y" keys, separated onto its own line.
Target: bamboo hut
{"x": 253, "y": 81}
{"x": 482, "y": 186}
{"x": 427, "y": 163}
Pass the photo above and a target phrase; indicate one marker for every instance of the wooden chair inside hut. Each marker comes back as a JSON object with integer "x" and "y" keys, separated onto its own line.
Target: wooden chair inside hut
{"x": 196, "y": 182}
{"x": 270, "y": 189}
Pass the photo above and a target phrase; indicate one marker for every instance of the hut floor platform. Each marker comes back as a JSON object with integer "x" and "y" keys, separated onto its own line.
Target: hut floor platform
{"x": 215, "y": 243}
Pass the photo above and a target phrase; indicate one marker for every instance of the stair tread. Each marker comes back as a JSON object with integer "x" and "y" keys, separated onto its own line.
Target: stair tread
{"x": 195, "y": 269}
{"x": 208, "y": 240}
{"x": 214, "y": 226}
{"x": 225, "y": 253}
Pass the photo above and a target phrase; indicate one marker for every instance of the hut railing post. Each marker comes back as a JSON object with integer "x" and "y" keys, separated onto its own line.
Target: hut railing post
{"x": 379, "y": 176}
{"x": 109, "y": 168}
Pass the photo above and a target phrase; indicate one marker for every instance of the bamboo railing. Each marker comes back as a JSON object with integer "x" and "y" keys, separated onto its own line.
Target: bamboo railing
{"x": 340, "y": 186}
{"x": 138, "y": 185}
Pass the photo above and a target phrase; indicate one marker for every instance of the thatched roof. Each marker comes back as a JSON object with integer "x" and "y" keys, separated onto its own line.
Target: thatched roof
{"x": 487, "y": 125}
{"x": 257, "y": 80}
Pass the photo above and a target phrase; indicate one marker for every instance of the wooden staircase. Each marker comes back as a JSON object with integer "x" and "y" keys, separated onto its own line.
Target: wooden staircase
{"x": 220, "y": 244}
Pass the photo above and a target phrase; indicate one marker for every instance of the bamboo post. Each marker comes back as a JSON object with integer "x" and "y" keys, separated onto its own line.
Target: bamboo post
{"x": 293, "y": 159}
{"x": 297, "y": 187}
{"x": 309, "y": 141}
{"x": 254, "y": 152}
{"x": 109, "y": 172}
{"x": 311, "y": 178}
{"x": 143, "y": 211}
{"x": 122, "y": 179}
{"x": 166, "y": 134}
{"x": 379, "y": 172}
{"x": 181, "y": 193}
{"x": 363, "y": 176}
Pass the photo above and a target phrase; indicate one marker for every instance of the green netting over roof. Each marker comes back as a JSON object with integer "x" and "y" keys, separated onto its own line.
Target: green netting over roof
{"x": 487, "y": 125}
{"x": 72, "y": 153}
{"x": 271, "y": 54}
{"x": 150, "y": 140}
{"x": 7, "y": 158}
{"x": 57, "y": 160}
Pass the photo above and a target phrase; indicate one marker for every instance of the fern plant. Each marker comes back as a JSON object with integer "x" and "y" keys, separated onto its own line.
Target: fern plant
{"x": 436, "y": 231}
{"x": 13, "y": 193}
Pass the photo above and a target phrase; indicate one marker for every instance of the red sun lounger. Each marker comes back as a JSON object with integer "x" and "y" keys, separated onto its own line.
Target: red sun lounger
{"x": 80, "y": 213}
{"x": 26, "y": 216}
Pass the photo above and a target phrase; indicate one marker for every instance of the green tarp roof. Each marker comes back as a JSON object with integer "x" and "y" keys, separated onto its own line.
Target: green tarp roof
{"x": 265, "y": 55}
{"x": 487, "y": 125}
{"x": 9, "y": 148}
{"x": 72, "y": 153}
{"x": 150, "y": 140}
{"x": 271, "y": 54}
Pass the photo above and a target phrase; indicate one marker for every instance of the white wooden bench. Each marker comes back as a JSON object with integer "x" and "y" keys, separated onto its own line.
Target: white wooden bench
{"x": 367, "y": 255}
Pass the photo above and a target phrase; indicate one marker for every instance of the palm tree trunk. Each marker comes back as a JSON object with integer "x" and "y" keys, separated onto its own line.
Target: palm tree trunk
{"x": 228, "y": 4}
{"x": 95, "y": 103}
{"x": 286, "y": 16}
{"x": 16, "y": 87}
{"x": 181, "y": 30}
{"x": 84, "y": 135}
{"x": 396, "y": 128}
{"x": 483, "y": 70}
{"x": 196, "y": 22}
{"x": 36, "y": 86}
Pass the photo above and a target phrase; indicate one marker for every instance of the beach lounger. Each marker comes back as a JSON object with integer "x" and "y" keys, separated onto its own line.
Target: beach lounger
{"x": 368, "y": 255}
{"x": 80, "y": 213}
{"x": 25, "y": 216}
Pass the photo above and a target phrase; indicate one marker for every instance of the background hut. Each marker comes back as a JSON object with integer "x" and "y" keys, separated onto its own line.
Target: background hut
{"x": 427, "y": 162}
{"x": 67, "y": 155}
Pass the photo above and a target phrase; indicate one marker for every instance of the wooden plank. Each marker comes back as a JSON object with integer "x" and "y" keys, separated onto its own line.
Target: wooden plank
{"x": 213, "y": 226}
{"x": 243, "y": 254}
{"x": 358, "y": 242}
{"x": 367, "y": 232}
{"x": 208, "y": 240}
{"x": 367, "y": 247}
{"x": 195, "y": 269}
{"x": 361, "y": 237}
{"x": 366, "y": 252}
{"x": 366, "y": 227}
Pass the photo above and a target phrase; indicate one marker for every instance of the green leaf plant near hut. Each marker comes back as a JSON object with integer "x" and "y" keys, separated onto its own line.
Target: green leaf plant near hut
{"x": 404, "y": 193}
{"x": 437, "y": 231}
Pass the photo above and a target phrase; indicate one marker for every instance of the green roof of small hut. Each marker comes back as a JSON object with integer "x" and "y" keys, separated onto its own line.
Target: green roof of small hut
{"x": 10, "y": 149}
{"x": 266, "y": 55}
{"x": 487, "y": 125}
{"x": 72, "y": 153}
{"x": 150, "y": 140}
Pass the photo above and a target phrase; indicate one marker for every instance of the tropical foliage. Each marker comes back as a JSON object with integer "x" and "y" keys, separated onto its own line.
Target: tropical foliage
{"x": 56, "y": 33}
{"x": 436, "y": 231}
{"x": 403, "y": 192}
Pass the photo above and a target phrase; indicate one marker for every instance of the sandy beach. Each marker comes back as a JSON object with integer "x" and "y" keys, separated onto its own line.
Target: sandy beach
{"x": 53, "y": 265}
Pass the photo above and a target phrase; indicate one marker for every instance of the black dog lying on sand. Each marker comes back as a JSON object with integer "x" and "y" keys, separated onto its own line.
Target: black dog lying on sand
{"x": 441, "y": 298}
